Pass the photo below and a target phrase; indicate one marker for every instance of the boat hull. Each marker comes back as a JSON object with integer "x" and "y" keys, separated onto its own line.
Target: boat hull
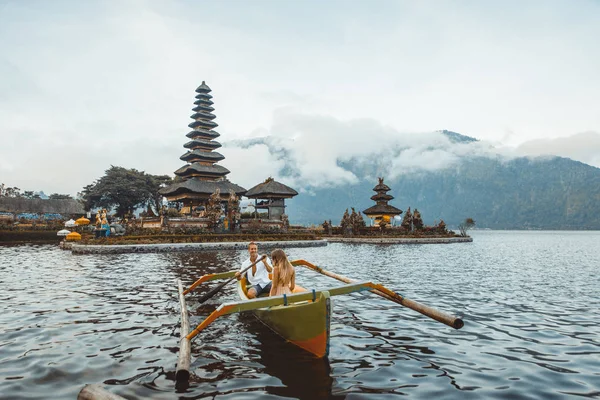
{"x": 305, "y": 324}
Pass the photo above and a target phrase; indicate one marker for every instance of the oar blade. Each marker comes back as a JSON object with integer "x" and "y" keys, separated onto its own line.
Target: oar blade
{"x": 212, "y": 292}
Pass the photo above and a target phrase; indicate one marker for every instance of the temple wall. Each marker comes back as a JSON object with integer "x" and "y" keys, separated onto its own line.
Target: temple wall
{"x": 264, "y": 223}
{"x": 188, "y": 222}
{"x": 151, "y": 223}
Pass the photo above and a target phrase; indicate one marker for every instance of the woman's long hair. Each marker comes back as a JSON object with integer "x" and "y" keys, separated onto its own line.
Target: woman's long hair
{"x": 286, "y": 269}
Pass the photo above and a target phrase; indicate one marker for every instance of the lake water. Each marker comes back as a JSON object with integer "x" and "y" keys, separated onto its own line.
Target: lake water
{"x": 530, "y": 302}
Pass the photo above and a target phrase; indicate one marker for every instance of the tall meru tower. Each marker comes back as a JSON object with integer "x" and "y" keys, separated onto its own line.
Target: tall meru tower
{"x": 199, "y": 178}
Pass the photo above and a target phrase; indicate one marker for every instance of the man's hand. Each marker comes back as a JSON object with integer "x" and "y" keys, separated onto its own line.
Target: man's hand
{"x": 267, "y": 266}
{"x": 238, "y": 276}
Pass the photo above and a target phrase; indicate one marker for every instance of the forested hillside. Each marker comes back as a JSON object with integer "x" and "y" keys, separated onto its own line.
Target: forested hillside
{"x": 523, "y": 193}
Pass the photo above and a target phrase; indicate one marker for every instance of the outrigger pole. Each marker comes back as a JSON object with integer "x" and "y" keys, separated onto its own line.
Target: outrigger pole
{"x": 386, "y": 293}
{"x": 184, "y": 360}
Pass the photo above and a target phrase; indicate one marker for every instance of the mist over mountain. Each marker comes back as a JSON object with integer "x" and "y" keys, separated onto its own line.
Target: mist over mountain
{"x": 445, "y": 175}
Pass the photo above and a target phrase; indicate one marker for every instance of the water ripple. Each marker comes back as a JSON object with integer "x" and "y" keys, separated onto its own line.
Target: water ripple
{"x": 528, "y": 299}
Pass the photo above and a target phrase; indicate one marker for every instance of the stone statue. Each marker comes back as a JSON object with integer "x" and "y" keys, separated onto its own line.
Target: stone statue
{"x": 286, "y": 222}
{"x": 233, "y": 210}
{"x": 407, "y": 221}
{"x": 98, "y": 220}
{"x": 442, "y": 227}
{"x": 417, "y": 220}
{"x": 105, "y": 224}
{"x": 213, "y": 209}
{"x": 326, "y": 227}
{"x": 345, "y": 223}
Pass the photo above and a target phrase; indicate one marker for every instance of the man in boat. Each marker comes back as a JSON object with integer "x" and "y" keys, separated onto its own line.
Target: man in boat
{"x": 258, "y": 275}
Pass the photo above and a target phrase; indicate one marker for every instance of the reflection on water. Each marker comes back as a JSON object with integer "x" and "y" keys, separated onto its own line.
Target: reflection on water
{"x": 528, "y": 300}
{"x": 300, "y": 374}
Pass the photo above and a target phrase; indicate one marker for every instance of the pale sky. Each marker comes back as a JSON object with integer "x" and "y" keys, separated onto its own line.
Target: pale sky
{"x": 89, "y": 84}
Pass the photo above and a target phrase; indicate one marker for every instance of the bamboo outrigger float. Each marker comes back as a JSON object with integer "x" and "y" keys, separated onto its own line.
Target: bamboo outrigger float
{"x": 302, "y": 318}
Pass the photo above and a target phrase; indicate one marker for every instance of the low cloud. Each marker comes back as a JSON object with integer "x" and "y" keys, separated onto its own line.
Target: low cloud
{"x": 314, "y": 151}
{"x": 584, "y": 147}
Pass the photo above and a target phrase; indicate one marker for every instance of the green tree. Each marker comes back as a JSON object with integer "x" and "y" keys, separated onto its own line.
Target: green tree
{"x": 157, "y": 182}
{"x": 12, "y": 192}
{"x": 30, "y": 194}
{"x": 56, "y": 196}
{"x": 125, "y": 189}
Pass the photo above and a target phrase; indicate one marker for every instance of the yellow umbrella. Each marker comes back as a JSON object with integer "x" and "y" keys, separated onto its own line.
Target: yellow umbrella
{"x": 73, "y": 236}
{"x": 82, "y": 221}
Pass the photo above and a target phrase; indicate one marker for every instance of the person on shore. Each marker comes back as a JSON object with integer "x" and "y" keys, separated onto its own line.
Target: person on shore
{"x": 258, "y": 275}
{"x": 284, "y": 275}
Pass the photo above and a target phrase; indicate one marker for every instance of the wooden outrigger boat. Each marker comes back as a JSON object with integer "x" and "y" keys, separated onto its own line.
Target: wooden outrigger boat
{"x": 303, "y": 323}
{"x": 302, "y": 318}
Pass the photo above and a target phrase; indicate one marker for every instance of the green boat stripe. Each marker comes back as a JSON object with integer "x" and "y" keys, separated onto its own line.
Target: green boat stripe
{"x": 247, "y": 305}
{"x": 222, "y": 275}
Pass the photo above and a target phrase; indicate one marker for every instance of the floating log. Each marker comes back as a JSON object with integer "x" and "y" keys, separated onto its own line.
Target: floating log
{"x": 97, "y": 392}
{"x": 184, "y": 360}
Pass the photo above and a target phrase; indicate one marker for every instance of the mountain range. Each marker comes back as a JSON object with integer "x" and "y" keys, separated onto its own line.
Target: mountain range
{"x": 498, "y": 192}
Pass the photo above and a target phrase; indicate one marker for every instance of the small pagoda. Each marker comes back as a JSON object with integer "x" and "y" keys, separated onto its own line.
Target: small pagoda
{"x": 201, "y": 176}
{"x": 382, "y": 211}
{"x": 272, "y": 195}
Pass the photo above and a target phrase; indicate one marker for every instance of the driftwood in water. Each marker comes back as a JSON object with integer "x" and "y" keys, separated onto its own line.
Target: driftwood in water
{"x": 96, "y": 392}
{"x": 184, "y": 360}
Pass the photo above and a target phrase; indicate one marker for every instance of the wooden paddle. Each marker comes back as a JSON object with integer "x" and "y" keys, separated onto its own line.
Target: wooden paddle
{"x": 384, "y": 292}
{"x": 216, "y": 289}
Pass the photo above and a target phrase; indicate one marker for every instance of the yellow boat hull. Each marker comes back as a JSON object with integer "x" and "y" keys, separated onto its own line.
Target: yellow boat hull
{"x": 305, "y": 324}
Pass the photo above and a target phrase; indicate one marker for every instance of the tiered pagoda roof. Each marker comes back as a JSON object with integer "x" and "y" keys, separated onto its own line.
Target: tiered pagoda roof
{"x": 201, "y": 175}
{"x": 381, "y": 198}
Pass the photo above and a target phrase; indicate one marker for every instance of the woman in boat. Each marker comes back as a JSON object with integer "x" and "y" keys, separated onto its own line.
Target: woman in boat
{"x": 284, "y": 275}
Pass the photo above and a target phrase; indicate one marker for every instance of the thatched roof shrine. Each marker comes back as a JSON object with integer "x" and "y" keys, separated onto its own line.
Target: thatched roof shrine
{"x": 274, "y": 194}
{"x": 382, "y": 208}
{"x": 191, "y": 187}
{"x": 271, "y": 189}
{"x": 382, "y": 197}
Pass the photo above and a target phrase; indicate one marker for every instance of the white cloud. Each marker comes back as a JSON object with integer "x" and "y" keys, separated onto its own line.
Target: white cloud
{"x": 113, "y": 83}
{"x": 321, "y": 151}
{"x": 583, "y": 146}
{"x": 250, "y": 166}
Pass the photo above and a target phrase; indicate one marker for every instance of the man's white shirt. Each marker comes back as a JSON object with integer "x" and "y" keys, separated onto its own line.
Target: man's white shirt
{"x": 262, "y": 275}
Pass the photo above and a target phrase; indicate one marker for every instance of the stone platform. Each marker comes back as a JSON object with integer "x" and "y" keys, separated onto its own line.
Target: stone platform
{"x": 172, "y": 247}
{"x": 388, "y": 240}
